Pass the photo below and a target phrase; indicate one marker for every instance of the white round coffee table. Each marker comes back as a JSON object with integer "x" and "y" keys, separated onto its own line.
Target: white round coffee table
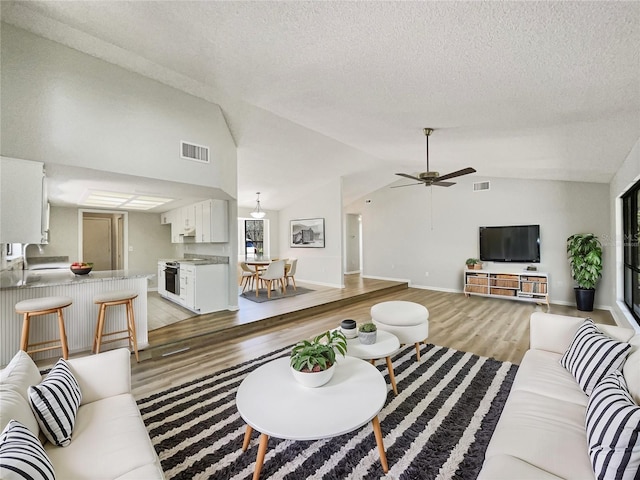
{"x": 386, "y": 345}
{"x": 272, "y": 402}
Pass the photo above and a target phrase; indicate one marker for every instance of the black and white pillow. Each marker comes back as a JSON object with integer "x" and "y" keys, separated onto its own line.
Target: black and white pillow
{"x": 55, "y": 403}
{"x": 613, "y": 430}
{"x": 22, "y": 455}
{"x": 592, "y": 355}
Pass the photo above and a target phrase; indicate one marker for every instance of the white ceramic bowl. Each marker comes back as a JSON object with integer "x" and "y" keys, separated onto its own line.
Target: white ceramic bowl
{"x": 313, "y": 379}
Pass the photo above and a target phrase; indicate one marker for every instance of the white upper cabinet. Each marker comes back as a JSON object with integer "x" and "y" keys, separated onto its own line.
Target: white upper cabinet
{"x": 176, "y": 226}
{"x": 189, "y": 219}
{"x": 212, "y": 222}
{"x": 23, "y": 202}
{"x": 204, "y": 222}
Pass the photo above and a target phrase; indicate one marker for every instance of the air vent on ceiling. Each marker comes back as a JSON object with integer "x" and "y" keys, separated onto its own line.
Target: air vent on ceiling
{"x": 191, "y": 151}
{"x": 480, "y": 186}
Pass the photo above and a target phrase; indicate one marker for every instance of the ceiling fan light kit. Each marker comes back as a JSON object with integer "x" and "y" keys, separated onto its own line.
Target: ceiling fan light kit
{"x": 429, "y": 177}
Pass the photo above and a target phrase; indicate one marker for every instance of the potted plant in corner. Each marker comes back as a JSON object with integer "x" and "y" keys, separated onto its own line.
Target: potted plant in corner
{"x": 313, "y": 362}
{"x": 474, "y": 264}
{"x": 584, "y": 251}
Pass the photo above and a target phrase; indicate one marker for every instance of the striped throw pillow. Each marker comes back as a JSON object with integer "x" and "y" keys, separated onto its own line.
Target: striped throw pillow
{"x": 22, "y": 455}
{"x": 55, "y": 403}
{"x": 592, "y": 355}
{"x": 613, "y": 430}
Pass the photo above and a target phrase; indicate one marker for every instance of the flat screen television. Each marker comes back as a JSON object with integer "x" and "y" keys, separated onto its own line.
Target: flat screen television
{"x": 517, "y": 243}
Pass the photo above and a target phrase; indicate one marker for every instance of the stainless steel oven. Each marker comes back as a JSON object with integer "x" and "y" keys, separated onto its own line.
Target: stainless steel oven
{"x": 172, "y": 277}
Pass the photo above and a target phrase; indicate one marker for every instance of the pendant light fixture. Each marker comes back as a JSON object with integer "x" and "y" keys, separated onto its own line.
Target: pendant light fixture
{"x": 258, "y": 212}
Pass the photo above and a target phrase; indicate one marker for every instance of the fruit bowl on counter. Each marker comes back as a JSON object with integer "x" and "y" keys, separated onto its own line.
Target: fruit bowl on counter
{"x": 81, "y": 268}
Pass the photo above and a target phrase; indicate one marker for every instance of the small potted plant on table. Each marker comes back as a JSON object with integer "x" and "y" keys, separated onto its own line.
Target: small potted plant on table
{"x": 313, "y": 362}
{"x": 367, "y": 333}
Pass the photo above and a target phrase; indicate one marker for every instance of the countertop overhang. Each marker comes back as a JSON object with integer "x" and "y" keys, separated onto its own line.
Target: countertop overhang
{"x": 48, "y": 278}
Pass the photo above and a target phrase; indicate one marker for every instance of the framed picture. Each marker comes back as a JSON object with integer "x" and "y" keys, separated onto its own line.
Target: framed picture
{"x": 307, "y": 233}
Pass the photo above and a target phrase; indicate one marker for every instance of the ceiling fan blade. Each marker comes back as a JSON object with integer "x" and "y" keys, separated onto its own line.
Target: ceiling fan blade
{"x": 458, "y": 173}
{"x": 443, "y": 184}
{"x": 409, "y": 185}
{"x": 406, "y": 175}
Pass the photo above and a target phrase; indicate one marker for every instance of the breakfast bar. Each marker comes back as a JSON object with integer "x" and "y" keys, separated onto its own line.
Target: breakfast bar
{"x": 80, "y": 317}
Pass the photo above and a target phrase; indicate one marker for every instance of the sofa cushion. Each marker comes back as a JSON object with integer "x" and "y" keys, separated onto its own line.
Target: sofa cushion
{"x": 109, "y": 441}
{"x": 545, "y": 432}
{"x": 21, "y": 372}
{"x": 505, "y": 467}
{"x": 613, "y": 430}
{"x": 22, "y": 456}
{"x": 592, "y": 355}
{"x": 13, "y": 406}
{"x": 631, "y": 369}
{"x": 540, "y": 372}
{"x": 55, "y": 402}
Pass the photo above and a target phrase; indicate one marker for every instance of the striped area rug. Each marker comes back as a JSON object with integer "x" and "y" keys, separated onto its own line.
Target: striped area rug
{"x": 438, "y": 427}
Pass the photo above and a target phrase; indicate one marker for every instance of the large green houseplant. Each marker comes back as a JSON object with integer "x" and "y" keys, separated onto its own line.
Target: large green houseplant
{"x": 584, "y": 251}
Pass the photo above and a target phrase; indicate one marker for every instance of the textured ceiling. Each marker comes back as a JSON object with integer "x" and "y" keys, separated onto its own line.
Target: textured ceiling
{"x": 317, "y": 90}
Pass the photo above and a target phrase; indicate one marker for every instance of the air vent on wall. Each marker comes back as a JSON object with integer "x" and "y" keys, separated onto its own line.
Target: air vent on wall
{"x": 191, "y": 151}
{"x": 480, "y": 186}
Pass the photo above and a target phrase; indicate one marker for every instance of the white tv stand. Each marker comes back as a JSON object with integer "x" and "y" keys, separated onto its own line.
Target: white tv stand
{"x": 525, "y": 286}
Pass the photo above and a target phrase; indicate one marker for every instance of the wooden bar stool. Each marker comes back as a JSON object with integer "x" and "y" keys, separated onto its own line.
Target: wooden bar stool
{"x": 110, "y": 299}
{"x": 43, "y": 306}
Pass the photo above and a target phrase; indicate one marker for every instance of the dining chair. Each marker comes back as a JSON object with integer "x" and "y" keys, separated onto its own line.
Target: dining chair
{"x": 291, "y": 271}
{"x": 247, "y": 276}
{"x": 273, "y": 273}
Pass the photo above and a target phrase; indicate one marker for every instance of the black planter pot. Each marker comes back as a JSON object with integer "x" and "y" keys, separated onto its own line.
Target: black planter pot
{"x": 584, "y": 298}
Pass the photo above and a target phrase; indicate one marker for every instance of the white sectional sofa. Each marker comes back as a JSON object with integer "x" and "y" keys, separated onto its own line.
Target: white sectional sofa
{"x": 541, "y": 433}
{"x": 109, "y": 439}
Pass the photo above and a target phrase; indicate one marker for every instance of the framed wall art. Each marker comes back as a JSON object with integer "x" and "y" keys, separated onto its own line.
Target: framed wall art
{"x": 307, "y": 233}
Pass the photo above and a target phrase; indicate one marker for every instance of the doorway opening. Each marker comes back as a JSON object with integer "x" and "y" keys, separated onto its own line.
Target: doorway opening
{"x": 353, "y": 244}
{"x": 102, "y": 239}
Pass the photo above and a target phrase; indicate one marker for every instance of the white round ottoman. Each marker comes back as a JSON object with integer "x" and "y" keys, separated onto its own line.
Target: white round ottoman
{"x": 408, "y": 321}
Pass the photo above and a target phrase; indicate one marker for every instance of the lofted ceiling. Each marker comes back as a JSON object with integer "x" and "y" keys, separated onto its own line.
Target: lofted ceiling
{"x": 313, "y": 91}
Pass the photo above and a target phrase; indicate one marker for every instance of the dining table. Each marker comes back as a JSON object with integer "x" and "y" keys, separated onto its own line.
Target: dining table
{"x": 257, "y": 265}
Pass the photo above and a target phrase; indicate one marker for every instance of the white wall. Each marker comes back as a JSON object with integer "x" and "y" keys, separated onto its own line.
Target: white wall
{"x": 626, "y": 177}
{"x": 322, "y": 266}
{"x": 150, "y": 240}
{"x": 64, "y": 107}
{"x": 63, "y": 235}
{"x": 409, "y": 232}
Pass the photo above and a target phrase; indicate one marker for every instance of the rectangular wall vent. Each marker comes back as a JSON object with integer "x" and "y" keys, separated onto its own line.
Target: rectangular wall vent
{"x": 191, "y": 151}
{"x": 480, "y": 186}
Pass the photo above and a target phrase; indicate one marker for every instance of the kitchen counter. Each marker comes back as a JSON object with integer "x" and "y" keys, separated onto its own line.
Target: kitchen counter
{"x": 54, "y": 277}
{"x": 191, "y": 259}
{"x": 80, "y": 317}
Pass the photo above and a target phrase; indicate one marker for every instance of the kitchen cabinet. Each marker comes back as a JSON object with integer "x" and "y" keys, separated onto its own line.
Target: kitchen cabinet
{"x": 24, "y": 210}
{"x": 188, "y": 286}
{"x": 177, "y": 231}
{"x": 202, "y": 222}
{"x": 204, "y": 288}
{"x": 212, "y": 221}
{"x": 189, "y": 219}
{"x": 166, "y": 218}
{"x": 162, "y": 289}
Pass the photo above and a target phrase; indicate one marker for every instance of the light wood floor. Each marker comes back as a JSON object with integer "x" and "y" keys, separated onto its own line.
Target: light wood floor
{"x": 484, "y": 326}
